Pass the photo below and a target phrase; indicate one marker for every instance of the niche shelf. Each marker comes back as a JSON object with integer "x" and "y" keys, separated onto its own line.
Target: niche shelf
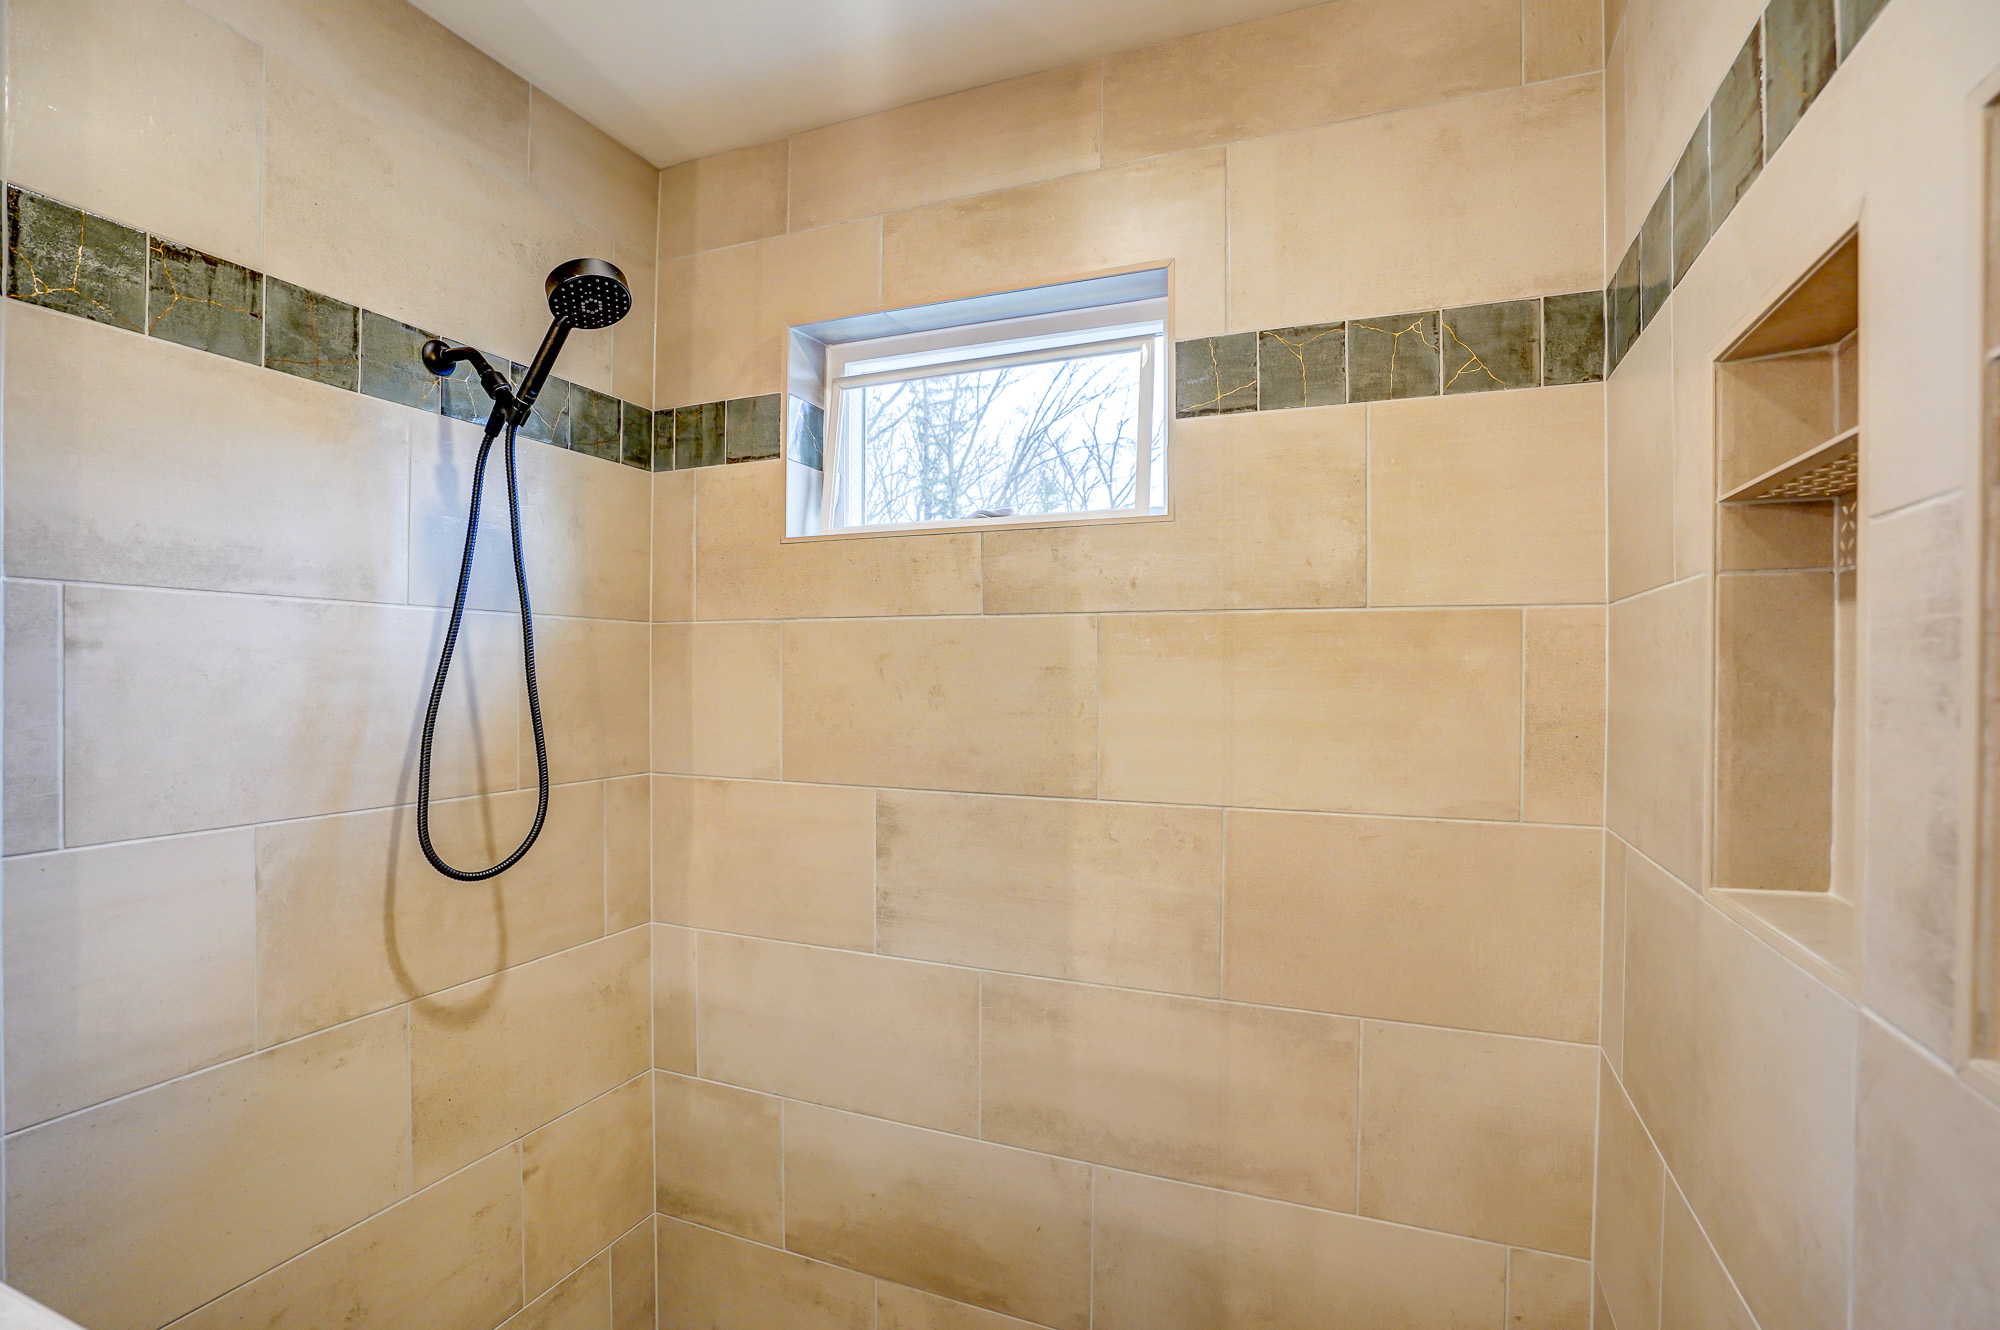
{"x": 1788, "y": 481}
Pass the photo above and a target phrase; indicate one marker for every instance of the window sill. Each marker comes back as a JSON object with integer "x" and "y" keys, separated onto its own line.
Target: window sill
{"x": 1813, "y": 928}
{"x": 988, "y": 524}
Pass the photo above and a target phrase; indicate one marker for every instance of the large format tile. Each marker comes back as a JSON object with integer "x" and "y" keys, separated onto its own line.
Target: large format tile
{"x": 1630, "y": 1176}
{"x": 1125, "y": 894}
{"x": 715, "y": 699}
{"x": 634, "y": 1281}
{"x": 447, "y": 1258}
{"x": 1473, "y": 925}
{"x": 252, "y": 710}
{"x": 628, "y": 852}
{"x": 726, "y": 198}
{"x": 1247, "y": 1098}
{"x": 1562, "y": 759}
{"x": 581, "y": 1301}
{"x": 1009, "y": 133}
{"x": 718, "y": 1157}
{"x": 873, "y": 1034}
{"x": 673, "y": 998}
{"x": 1487, "y": 499}
{"x": 710, "y": 1279}
{"x": 1175, "y": 1257}
{"x": 351, "y": 918}
{"x": 1143, "y": 214}
{"x": 585, "y": 1179}
{"x": 125, "y": 965}
{"x": 588, "y": 174}
{"x": 899, "y": 1308}
{"x": 33, "y": 799}
{"x": 984, "y": 1224}
{"x": 1696, "y": 1293}
{"x": 1488, "y": 198}
{"x": 136, "y": 462}
{"x": 595, "y": 677}
{"x": 1547, "y": 1292}
{"x": 1270, "y": 511}
{"x": 1414, "y": 712}
{"x": 1480, "y": 1134}
{"x": 1639, "y": 452}
{"x": 746, "y": 569}
{"x": 1320, "y": 64}
{"x": 496, "y": 1058}
{"x": 148, "y": 111}
{"x": 1001, "y": 705}
{"x": 1656, "y": 724}
{"x": 673, "y": 547}
{"x": 794, "y": 862}
{"x": 127, "y": 1215}
{"x": 1560, "y": 38}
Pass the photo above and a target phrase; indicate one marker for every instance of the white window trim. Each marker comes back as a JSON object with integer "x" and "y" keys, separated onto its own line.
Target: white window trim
{"x": 1136, "y": 325}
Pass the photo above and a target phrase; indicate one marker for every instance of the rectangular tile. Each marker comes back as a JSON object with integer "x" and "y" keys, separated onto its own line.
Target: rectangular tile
{"x": 1656, "y": 256}
{"x": 1396, "y": 356}
{"x": 716, "y": 700}
{"x": 312, "y": 336}
{"x": 982, "y": 1224}
{"x": 1247, "y": 1098}
{"x": 1490, "y": 347}
{"x": 129, "y": 1214}
{"x": 723, "y": 199}
{"x": 1621, "y": 305}
{"x": 1628, "y": 1210}
{"x": 1691, "y": 215}
{"x": 753, "y": 427}
{"x": 873, "y": 1034}
{"x": 390, "y": 364}
{"x": 1696, "y": 1293}
{"x": 1174, "y": 1257}
{"x": 794, "y": 862}
{"x": 1215, "y": 375}
{"x": 582, "y": 1301}
{"x": 1005, "y": 706}
{"x": 1798, "y": 60}
{"x": 1736, "y": 130}
{"x": 1562, "y": 760}
{"x": 1639, "y": 466}
{"x": 711, "y": 1279}
{"x": 634, "y": 1293}
{"x": 1611, "y": 999}
{"x": 68, "y": 260}
{"x": 635, "y": 436}
{"x": 204, "y": 302}
{"x": 1124, "y": 894}
{"x": 1479, "y": 926}
{"x": 595, "y": 689}
{"x": 1304, "y": 366}
{"x": 126, "y": 965}
{"x": 1573, "y": 338}
{"x": 719, "y": 1157}
{"x": 595, "y": 424}
{"x": 633, "y": 338}
{"x": 581, "y": 169}
{"x": 1560, "y": 38}
{"x": 1656, "y": 721}
{"x": 585, "y": 1179}
{"x": 899, "y": 1308}
{"x": 628, "y": 852}
{"x": 494, "y": 1059}
{"x": 1547, "y": 1291}
{"x": 1408, "y": 712}
{"x": 698, "y": 436}
{"x": 673, "y": 998}
{"x": 33, "y": 815}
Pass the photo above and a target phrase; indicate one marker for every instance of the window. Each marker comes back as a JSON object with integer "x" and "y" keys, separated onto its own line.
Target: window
{"x": 949, "y": 415}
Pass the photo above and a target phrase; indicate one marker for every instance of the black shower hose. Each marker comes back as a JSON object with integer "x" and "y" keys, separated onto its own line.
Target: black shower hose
{"x": 444, "y": 666}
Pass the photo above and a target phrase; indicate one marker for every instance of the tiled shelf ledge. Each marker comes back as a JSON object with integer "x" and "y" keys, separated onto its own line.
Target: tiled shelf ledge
{"x": 1813, "y": 928}
{"x": 1827, "y": 471}
{"x": 63, "y": 258}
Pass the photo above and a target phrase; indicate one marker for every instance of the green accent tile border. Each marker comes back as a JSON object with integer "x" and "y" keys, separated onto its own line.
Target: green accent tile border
{"x": 806, "y": 434}
{"x": 1304, "y": 366}
{"x": 1394, "y": 357}
{"x": 753, "y": 428}
{"x": 1215, "y": 376}
{"x": 663, "y": 439}
{"x": 64, "y": 258}
{"x": 1490, "y": 347}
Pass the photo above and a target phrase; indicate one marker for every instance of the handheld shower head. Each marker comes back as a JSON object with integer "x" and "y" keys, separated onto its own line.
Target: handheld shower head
{"x": 589, "y": 293}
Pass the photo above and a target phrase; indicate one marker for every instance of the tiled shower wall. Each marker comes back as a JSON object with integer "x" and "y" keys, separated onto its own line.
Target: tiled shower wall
{"x": 1776, "y": 1151}
{"x": 259, "y": 1058}
{"x": 1168, "y": 924}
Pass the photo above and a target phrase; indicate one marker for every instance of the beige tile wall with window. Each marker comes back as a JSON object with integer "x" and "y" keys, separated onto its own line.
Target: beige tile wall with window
{"x": 259, "y": 1057}
{"x": 1171, "y": 924}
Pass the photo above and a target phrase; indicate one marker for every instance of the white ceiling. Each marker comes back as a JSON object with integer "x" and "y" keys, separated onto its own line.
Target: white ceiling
{"x": 675, "y": 79}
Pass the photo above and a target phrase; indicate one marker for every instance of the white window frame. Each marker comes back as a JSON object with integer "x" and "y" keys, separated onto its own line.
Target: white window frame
{"x": 1134, "y": 325}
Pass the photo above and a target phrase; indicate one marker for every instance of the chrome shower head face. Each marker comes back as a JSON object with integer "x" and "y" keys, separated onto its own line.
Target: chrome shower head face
{"x": 589, "y": 293}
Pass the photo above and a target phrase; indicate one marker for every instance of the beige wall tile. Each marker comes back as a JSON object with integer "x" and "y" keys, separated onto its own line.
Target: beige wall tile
{"x": 719, "y": 1157}
{"x": 745, "y": 569}
{"x": 728, "y": 198}
{"x": 984, "y": 1224}
{"x": 1925, "y": 1202}
{"x": 127, "y": 1215}
{"x": 673, "y": 546}
{"x": 1007, "y": 706}
{"x": 397, "y": 57}
{"x": 496, "y": 1058}
{"x": 351, "y": 918}
{"x": 252, "y": 710}
{"x": 1768, "y": 411}
{"x": 448, "y": 1256}
{"x": 1010, "y": 133}
{"x": 585, "y": 1179}
{"x": 1174, "y": 1257}
{"x": 628, "y": 852}
{"x": 1107, "y": 893}
{"x": 1339, "y": 62}
{"x": 1403, "y": 712}
{"x": 1696, "y": 1293}
{"x": 1666, "y": 95}
{"x": 634, "y": 1304}
{"x": 671, "y": 696}
{"x": 632, "y": 350}
{"x": 33, "y": 817}
{"x": 146, "y": 112}
{"x": 137, "y": 461}
{"x": 1247, "y": 1098}
{"x": 1479, "y": 926}
{"x": 1489, "y": 198}
{"x": 1629, "y": 1180}
{"x": 125, "y": 965}
{"x": 1142, "y": 215}
{"x": 899, "y": 1308}
{"x": 1656, "y": 725}
{"x": 1560, "y": 38}
{"x": 1480, "y": 1134}
{"x": 724, "y": 312}
{"x": 580, "y": 1302}
{"x": 673, "y": 998}
{"x": 1487, "y": 498}
{"x": 1547, "y": 1292}
{"x": 1611, "y": 994}
{"x": 1562, "y": 764}
{"x": 591, "y": 176}
{"x": 1639, "y": 464}
{"x": 1270, "y": 510}
{"x": 353, "y": 205}
{"x": 869, "y": 1033}
{"x": 711, "y": 1279}
{"x": 595, "y": 688}
{"x": 795, "y": 862}
{"x": 734, "y": 692}
{"x": 1759, "y": 537}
